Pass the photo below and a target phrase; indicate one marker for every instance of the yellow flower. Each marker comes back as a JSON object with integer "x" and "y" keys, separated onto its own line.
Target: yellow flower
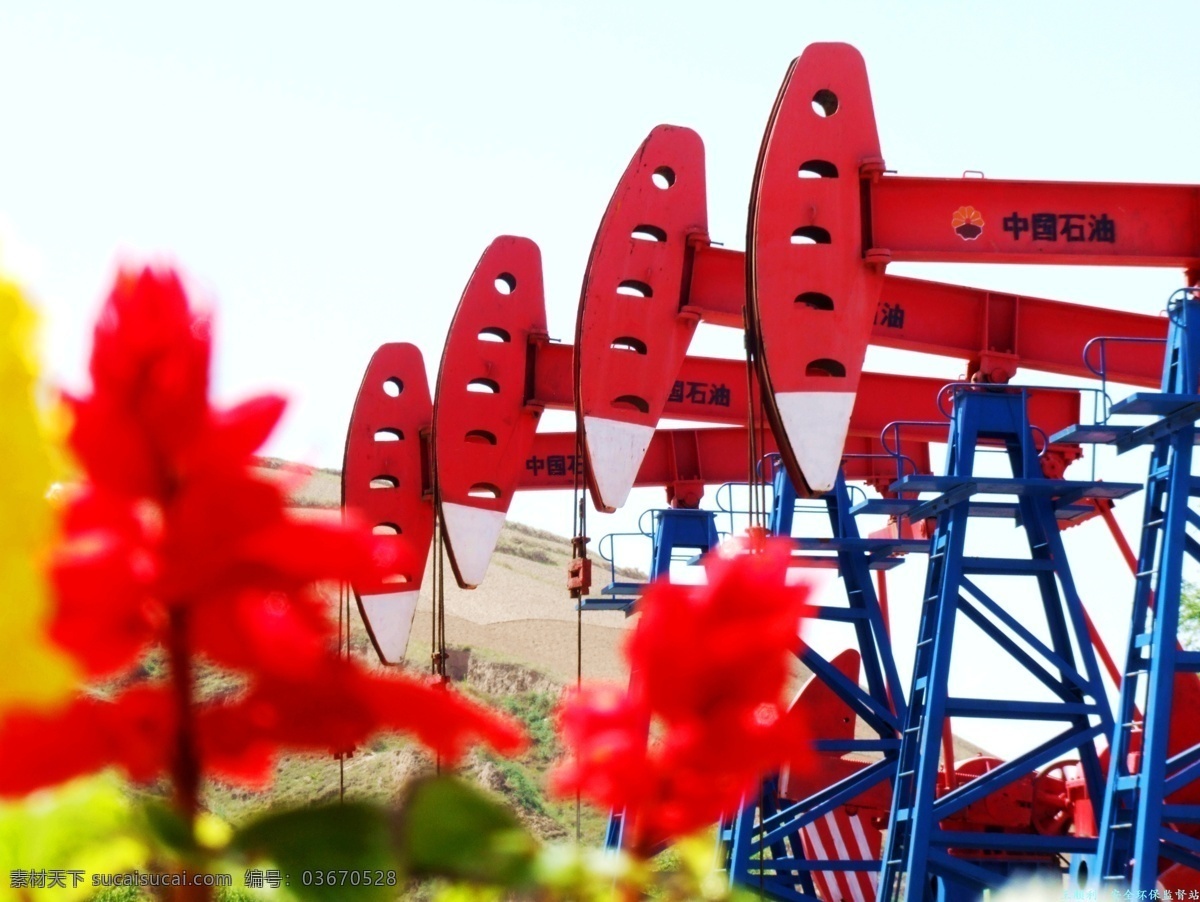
{"x": 38, "y": 674}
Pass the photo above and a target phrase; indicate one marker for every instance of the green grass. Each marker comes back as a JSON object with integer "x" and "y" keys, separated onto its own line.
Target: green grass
{"x": 529, "y": 551}
{"x": 137, "y": 894}
{"x": 535, "y": 710}
{"x": 522, "y": 786}
{"x": 120, "y": 894}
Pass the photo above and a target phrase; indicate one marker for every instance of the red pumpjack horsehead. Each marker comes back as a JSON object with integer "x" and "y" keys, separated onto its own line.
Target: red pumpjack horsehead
{"x": 995, "y": 332}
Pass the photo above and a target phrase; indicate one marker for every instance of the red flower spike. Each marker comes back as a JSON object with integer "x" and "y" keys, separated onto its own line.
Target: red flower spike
{"x": 237, "y": 433}
{"x": 605, "y": 728}
{"x": 149, "y": 373}
{"x": 102, "y": 578}
{"x": 131, "y": 733}
{"x": 270, "y": 633}
{"x": 342, "y": 713}
{"x": 710, "y": 666}
{"x": 175, "y": 540}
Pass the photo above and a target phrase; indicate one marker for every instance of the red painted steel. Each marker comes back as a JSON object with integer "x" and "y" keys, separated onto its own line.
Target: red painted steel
{"x": 630, "y": 334}
{"x": 821, "y": 181}
{"x": 684, "y": 461}
{"x": 1079, "y": 223}
{"x": 812, "y": 301}
{"x": 706, "y": 389}
{"x": 484, "y": 442}
{"x": 483, "y": 428}
{"x": 630, "y": 347}
{"x": 999, "y": 332}
{"x": 851, "y": 831}
{"x": 717, "y": 285}
{"x": 974, "y": 324}
{"x": 384, "y": 477}
{"x": 884, "y": 397}
{"x": 389, "y": 481}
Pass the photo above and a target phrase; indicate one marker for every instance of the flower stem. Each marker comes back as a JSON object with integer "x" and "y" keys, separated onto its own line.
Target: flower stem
{"x": 185, "y": 765}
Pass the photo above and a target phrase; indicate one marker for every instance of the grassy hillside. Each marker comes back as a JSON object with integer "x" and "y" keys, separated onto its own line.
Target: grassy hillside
{"x": 512, "y": 645}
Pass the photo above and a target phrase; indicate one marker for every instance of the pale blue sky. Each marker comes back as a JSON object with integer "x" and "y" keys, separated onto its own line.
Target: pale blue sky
{"x": 329, "y": 174}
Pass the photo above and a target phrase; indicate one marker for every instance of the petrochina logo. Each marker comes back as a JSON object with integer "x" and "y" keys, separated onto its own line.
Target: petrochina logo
{"x": 967, "y": 222}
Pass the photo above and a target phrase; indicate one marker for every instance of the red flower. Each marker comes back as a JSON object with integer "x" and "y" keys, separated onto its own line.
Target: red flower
{"x": 709, "y": 667}
{"x": 337, "y": 714}
{"x": 131, "y": 732}
{"x": 149, "y": 406}
{"x": 102, "y": 577}
{"x": 173, "y": 540}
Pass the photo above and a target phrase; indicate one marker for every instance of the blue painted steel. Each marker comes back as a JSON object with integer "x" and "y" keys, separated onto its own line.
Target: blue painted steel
{"x": 771, "y": 822}
{"x": 675, "y": 530}
{"x": 1137, "y": 824}
{"x": 745, "y": 870}
{"x": 918, "y": 863}
{"x": 783, "y": 503}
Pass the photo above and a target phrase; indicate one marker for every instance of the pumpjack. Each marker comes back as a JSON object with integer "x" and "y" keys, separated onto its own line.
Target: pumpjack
{"x": 889, "y": 812}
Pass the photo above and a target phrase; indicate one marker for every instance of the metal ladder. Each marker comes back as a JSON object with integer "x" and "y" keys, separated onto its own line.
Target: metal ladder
{"x": 1137, "y": 824}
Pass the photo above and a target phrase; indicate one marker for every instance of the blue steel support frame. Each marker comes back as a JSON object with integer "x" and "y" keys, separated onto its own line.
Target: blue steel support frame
{"x": 783, "y": 503}
{"x": 681, "y": 528}
{"x": 674, "y": 528}
{"x": 1139, "y": 821}
{"x": 918, "y": 863}
{"x": 763, "y": 842}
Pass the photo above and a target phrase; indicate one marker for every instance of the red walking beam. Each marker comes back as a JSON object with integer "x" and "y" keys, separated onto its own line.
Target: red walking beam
{"x": 498, "y": 373}
{"x": 995, "y": 332}
{"x": 1094, "y": 224}
{"x": 388, "y": 476}
{"x": 684, "y": 461}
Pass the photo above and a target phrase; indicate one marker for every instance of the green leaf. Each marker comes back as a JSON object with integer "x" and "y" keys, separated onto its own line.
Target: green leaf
{"x": 451, "y": 829}
{"x": 461, "y": 892}
{"x": 168, "y": 827}
{"x": 326, "y": 851}
{"x": 86, "y": 825}
{"x": 568, "y": 871}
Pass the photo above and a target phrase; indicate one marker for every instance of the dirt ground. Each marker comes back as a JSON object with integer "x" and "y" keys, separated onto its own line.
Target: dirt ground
{"x": 521, "y": 614}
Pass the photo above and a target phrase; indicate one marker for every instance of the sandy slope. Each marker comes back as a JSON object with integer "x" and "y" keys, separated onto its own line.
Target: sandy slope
{"x": 521, "y": 613}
